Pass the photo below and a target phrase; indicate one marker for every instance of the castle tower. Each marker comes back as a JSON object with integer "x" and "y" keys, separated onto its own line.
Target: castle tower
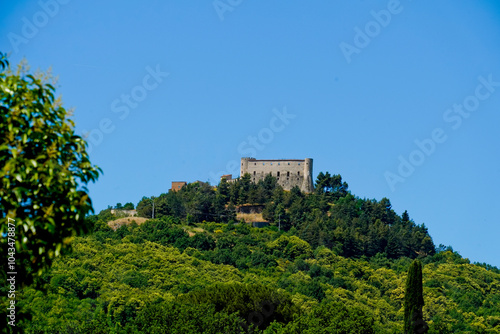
{"x": 244, "y": 165}
{"x": 307, "y": 183}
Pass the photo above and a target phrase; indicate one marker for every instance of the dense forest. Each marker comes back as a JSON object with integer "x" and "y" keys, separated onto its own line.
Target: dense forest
{"x": 330, "y": 217}
{"x": 329, "y": 262}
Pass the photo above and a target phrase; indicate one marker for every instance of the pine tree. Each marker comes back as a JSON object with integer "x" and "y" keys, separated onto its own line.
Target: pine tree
{"x": 414, "y": 301}
{"x": 405, "y": 217}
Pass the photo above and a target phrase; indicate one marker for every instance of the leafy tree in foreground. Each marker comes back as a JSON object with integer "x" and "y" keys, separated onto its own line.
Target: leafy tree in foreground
{"x": 44, "y": 168}
{"x": 414, "y": 301}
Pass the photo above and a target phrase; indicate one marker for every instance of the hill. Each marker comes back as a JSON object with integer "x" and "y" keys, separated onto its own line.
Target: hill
{"x": 154, "y": 276}
{"x": 338, "y": 266}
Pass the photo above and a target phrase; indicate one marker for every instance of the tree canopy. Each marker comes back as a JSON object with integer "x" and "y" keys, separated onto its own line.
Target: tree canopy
{"x": 414, "y": 301}
{"x": 44, "y": 170}
{"x": 167, "y": 276}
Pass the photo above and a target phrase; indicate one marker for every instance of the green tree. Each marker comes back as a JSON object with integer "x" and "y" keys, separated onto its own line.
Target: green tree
{"x": 223, "y": 189}
{"x": 145, "y": 207}
{"x": 414, "y": 301}
{"x": 331, "y": 184}
{"x": 245, "y": 186}
{"x": 280, "y": 217}
{"x": 44, "y": 168}
{"x": 405, "y": 217}
{"x": 128, "y": 206}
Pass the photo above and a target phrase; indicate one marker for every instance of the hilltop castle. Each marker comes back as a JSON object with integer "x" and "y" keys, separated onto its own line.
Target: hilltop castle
{"x": 288, "y": 173}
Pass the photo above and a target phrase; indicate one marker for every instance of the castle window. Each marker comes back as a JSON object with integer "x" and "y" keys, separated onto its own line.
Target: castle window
{"x": 278, "y": 179}
{"x": 279, "y": 163}
{"x": 299, "y": 163}
{"x": 287, "y": 173}
{"x": 255, "y": 164}
{"x": 298, "y": 173}
{"x": 288, "y": 164}
{"x": 278, "y": 174}
{"x": 263, "y": 164}
{"x": 271, "y": 163}
{"x": 253, "y": 173}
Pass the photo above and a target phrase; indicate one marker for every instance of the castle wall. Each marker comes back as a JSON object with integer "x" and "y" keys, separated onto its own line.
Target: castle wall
{"x": 289, "y": 173}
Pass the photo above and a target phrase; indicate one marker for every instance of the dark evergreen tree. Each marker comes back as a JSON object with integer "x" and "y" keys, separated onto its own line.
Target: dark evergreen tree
{"x": 405, "y": 217}
{"x": 244, "y": 189}
{"x": 223, "y": 189}
{"x": 414, "y": 301}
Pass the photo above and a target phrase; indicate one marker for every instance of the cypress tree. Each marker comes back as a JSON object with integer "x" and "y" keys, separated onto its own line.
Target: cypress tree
{"x": 414, "y": 301}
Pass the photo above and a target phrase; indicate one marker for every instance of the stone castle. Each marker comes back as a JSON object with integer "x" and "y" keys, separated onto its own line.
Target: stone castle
{"x": 288, "y": 172}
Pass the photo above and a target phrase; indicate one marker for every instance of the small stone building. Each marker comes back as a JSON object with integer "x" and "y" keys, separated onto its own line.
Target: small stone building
{"x": 177, "y": 185}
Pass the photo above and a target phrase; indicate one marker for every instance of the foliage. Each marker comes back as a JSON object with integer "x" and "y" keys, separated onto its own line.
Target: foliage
{"x": 414, "y": 301}
{"x": 128, "y": 206}
{"x": 291, "y": 247}
{"x": 199, "y": 201}
{"x": 331, "y": 185}
{"x": 44, "y": 171}
{"x": 156, "y": 277}
{"x": 179, "y": 318}
{"x": 327, "y": 318}
{"x": 256, "y": 303}
{"x": 331, "y": 216}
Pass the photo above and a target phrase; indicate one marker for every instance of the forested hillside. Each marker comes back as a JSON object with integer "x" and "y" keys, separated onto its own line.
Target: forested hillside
{"x": 338, "y": 265}
{"x": 331, "y": 216}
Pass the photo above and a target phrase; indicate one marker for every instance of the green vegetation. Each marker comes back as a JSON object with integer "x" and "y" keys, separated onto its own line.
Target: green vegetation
{"x": 414, "y": 301}
{"x": 329, "y": 272}
{"x": 44, "y": 169}
{"x": 351, "y": 226}
{"x": 127, "y": 206}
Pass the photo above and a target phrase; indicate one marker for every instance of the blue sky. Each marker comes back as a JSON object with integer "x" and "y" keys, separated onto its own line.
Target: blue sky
{"x": 402, "y": 98}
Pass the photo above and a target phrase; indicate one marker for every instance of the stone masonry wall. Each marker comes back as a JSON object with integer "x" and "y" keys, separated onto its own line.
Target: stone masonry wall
{"x": 289, "y": 173}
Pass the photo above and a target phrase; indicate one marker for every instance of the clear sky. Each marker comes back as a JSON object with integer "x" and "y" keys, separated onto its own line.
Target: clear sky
{"x": 402, "y": 98}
